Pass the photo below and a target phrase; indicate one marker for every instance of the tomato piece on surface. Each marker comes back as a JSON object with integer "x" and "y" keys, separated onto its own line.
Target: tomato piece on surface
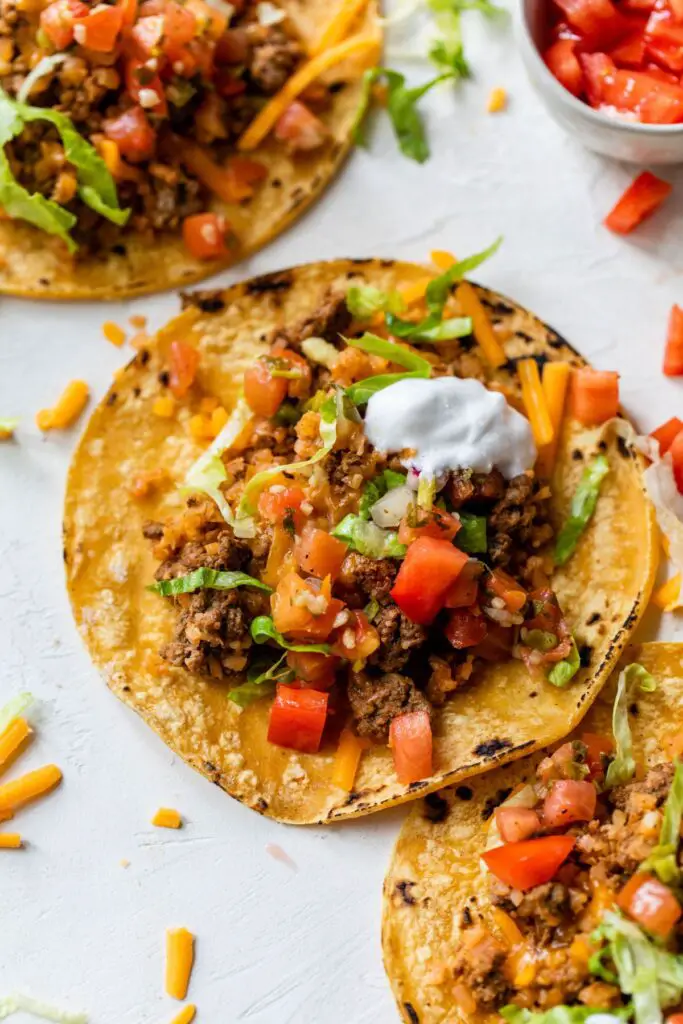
{"x": 640, "y": 200}
{"x": 676, "y": 453}
{"x": 673, "y": 353}
{"x": 99, "y": 29}
{"x": 597, "y": 747}
{"x": 318, "y": 670}
{"x": 264, "y": 394}
{"x": 141, "y": 82}
{"x": 184, "y": 361}
{"x": 517, "y": 823}
{"x": 465, "y": 590}
{"x": 437, "y": 524}
{"x": 57, "y": 21}
{"x": 300, "y": 128}
{"x": 429, "y": 568}
{"x": 320, "y": 554}
{"x": 530, "y": 862}
{"x": 204, "y": 235}
{"x": 595, "y": 396}
{"x": 665, "y": 434}
{"x": 465, "y": 629}
{"x": 651, "y": 903}
{"x": 561, "y": 59}
{"x": 410, "y": 738}
{"x": 133, "y": 134}
{"x": 283, "y": 505}
{"x": 297, "y": 718}
{"x": 569, "y": 801}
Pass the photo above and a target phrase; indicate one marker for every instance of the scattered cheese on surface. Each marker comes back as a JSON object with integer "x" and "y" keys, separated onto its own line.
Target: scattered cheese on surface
{"x": 137, "y": 321}
{"x": 12, "y": 739}
{"x": 186, "y": 1015}
{"x": 442, "y": 259}
{"x": 497, "y": 100}
{"x": 166, "y": 817}
{"x": 10, "y": 840}
{"x": 124, "y": 863}
{"x": 20, "y": 791}
{"x": 69, "y": 407}
{"x": 113, "y": 333}
{"x": 179, "y": 960}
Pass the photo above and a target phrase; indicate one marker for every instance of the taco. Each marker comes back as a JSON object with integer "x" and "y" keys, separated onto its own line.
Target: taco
{"x": 550, "y": 891}
{"x": 280, "y": 603}
{"x": 146, "y": 146}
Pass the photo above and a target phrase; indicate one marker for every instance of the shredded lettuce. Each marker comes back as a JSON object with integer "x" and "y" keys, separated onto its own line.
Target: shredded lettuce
{"x": 562, "y": 673}
{"x": 262, "y": 676}
{"x": 208, "y": 472}
{"x": 263, "y": 629}
{"x": 375, "y": 489}
{"x": 365, "y": 300}
{"x": 431, "y": 329}
{"x": 14, "y": 707}
{"x": 320, "y": 351}
{"x": 447, "y": 51}
{"x": 26, "y": 1004}
{"x": 371, "y": 610}
{"x": 42, "y": 68}
{"x": 561, "y": 1014}
{"x": 20, "y": 204}
{"x": 368, "y": 539}
{"x": 426, "y": 492}
{"x": 471, "y": 537}
{"x": 582, "y": 508}
{"x": 362, "y": 392}
{"x": 439, "y": 289}
{"x": 206, "y": 579}
{"x": 622, "y": 768}
{"x": 663, "y": 859}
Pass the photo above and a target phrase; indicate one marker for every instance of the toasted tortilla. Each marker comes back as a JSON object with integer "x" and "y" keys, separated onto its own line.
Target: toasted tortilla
{"x": 35, "y": 265}
{"x": 436, "y": 870}
{"x": 500, "y": 717}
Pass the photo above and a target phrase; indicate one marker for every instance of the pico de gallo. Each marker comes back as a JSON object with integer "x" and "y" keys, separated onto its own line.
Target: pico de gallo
{"x": 622, "y": 57}
{"x": 325, "y": 575}
{"x": 584, "y": 873}
{"x": 136, "y": 115}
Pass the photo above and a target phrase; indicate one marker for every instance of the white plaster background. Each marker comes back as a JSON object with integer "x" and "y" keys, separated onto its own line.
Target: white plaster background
{"x": 275, "y": 946}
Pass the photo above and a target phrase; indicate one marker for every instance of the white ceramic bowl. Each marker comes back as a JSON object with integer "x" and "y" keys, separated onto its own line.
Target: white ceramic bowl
{"x": 623, "y": 140}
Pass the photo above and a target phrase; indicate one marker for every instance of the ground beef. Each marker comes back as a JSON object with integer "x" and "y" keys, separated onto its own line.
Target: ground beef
{"x": 347, "y": 470}
{"x": 329, "y": 320}
{"x": 152, "y": 530}
{"x": 369, "y": 578}
{"x": 649, "y": 794}
{"x": 519, "y": 526}
{"x": 212, "y": 633}
{"x": 399, "y": 638}
{"x": 477, "y": 489}
{"x": 376, "y": 701}
{"x": 273, "y": 61}
{"x": 479, "y": 964}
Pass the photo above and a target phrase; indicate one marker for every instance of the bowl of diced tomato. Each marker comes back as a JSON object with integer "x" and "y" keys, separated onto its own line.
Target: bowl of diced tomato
{"x": 610, "y": 72}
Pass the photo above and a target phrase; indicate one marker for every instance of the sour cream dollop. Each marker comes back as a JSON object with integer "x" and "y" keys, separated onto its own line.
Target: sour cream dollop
{"x": 450, "y": 424}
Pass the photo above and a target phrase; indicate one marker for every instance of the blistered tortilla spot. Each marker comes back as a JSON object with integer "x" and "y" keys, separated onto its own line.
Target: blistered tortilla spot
{"x": 489, "y": 748}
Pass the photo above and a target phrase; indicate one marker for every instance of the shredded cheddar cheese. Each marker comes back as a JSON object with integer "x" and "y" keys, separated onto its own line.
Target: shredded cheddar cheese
{"x": 12, "y": 739}
{"x": 481, "y": 325}
{"x": 166, "y": 817}
{"x": 535, "y": 402}
{"x": 10, "y": 841}
{"x": 266, "y": 119}
{"x": 555, "y": 382}
{"x": 29, "y": 787}
{"x": 179, "y": 960}
{"x": 69, "y": 407}
{"x": 667, "y": 597}
{"x": 347, "y": 759}
{"x": 338, "y": 26}
{"x": 497, "y": 100}
{"x": 113, "y": 333}
{"x": 164, "y": 407}
{"x": 415, "y": 292}
{"x": 208, "y": 404}
{"x": 200, "y": 427}
{"x": 186, "y": 1015}
{"x": 442, "y": 259}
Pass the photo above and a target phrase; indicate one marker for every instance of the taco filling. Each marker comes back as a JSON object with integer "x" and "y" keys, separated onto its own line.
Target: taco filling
{"x": 133, "y": 118}
{"x": 371, "y": 533}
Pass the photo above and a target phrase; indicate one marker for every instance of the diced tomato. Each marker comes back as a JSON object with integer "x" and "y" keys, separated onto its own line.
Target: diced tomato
{"x": 465, "y": 629}
{"x": 283, "y": 505}
{"x": 297, "y": 386}
{"x": 139, "y": 79}
{"x": 673, "y": 353}
{"x": 598, "y": 20}
{"x": 264, "y": 393}
{"x": 595, "y": 396}
{"x": 133, "y": 134}
{"x": 502, "y": 585}
{"x": 147, "y": 34}
{"x": 184, "y": 361}
{"x": 529, "y": 863}
{"x": 598, "y": 69}
{"x": 300, "y": 129}
{"x": 561, "y": 59}
{"x": 316, "y": 669}
{"x": 211, "y": 22}
{"x": 195, "y": 58}
{"x": 57, "y": 21}
{"x": 410, "y": 738}
{"x": 180, "y": 26}
{"x": 437, "y": 523}
{"x": 517, "y": 823}
{"x": 665, "y": 434}
{"x": 129, "y": 12}
{"x": 640, "y": 200}
{"x": 465, "y": 590}
{"x": 297, "y": 718}
{"x": 560, "y": 765}
{"x": 597, "y": 749}
{"x": 204, "y": 235}
{"x": 676, "y": 8}
{"x": 670, "y": 56}
{"x": 676, "y": 453}
{"x": 320, "y": 554}
{"x": 99, "y": 29}
{"x": 631, "y": 49}
{"x": 357, "y": 639}
{"x": 243, "y": 174}
{"x": 497, "y": 644}
{"x": 654, "y": 101}
{"x": 663, "y": 105}
{"x": 655, "y": 71}
{"x": 429, "y": 568}
{"x": 639, "y": 6}
{"x": 569, "y": 801}
{"x": 303, "y": 610}
{"x": 663, "y": 28}
{"x": 675, "y": 1018}
{"x": 651, "y": 903}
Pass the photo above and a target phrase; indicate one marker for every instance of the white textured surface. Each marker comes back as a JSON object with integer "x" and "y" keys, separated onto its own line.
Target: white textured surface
{"x": 274, "y": 945}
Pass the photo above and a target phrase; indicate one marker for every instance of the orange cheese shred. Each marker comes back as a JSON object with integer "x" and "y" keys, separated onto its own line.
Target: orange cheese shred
{"x": 535, "y": 402}
{"x": 13, "y": 737}
{"x": 442, "y": 259}
{"x": 338, "y": 26}
{"x": 10, "y": 841}
{"x": 216, "y": 178}
{"x": 555, "y": 383}
{"x": 68, "y": 408}
{"x": 113, "y": 333}
{"x": 167, "y": 817}
{"x": 415, "y": 292}
{"x": 186, "y": 1015}
{"x": 300, "y": 80}
{"x": 481, "y": 325}
{"x": 667, "y": 596}
{"x": 347, "y": 759}
{"x": 179, "y": 960}
{"x": 29, "y": 787}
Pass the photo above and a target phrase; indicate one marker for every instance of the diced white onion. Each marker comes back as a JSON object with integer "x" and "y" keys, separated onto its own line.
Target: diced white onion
{"x": 390, "y": 510}
{"x": 269, "y": 14}
{"x": 44, "y": 67}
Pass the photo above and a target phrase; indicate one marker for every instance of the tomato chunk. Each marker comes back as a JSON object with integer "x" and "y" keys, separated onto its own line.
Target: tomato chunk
{"x": 595, "y": 396}
{"x": 465, "y": 629}
{"x": 57, "y": 21}
{"x": 428, "y": 570}
{"x": 673, "y": 353}
{"x": 357, "y": 639}
{"x": 320, "y": 554}
{"x": 99, "y": 29}
{"x": 597, "y": 748}
{"x": 502, "y": 585}
{"x": 184, "y": 363}
{"x": 465, "y": 590}
{"x": 264, "y": 393}
{"x": 665, "y": 434}
{"x": 297, "y": 719}
{"x": 438, "y": 524}
{"x": 300, "y": 128}
{"x": 529, "y": 863}
{"x": 133, "y": 133}
{"x": 204, "y": 235}
{"x": 597, "y": 19}
{"x": 410, "y": 738}
{"x": 316, "y": 669}
{"x": 302, "y": 609}
{"x": 651, "y": 903}
{"x": 283, "y": 505}
{"x": 568, "y": 801}
{"x": 561, "y": 59}
{"x": 517, "y": 823}
{"x": 640, "y": 200}
{"x": 676, "y": 453}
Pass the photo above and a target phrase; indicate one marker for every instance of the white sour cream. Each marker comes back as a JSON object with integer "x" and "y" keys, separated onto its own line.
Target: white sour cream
{"x": 603, "y": 1018}
{"x": 450, "y": 424}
